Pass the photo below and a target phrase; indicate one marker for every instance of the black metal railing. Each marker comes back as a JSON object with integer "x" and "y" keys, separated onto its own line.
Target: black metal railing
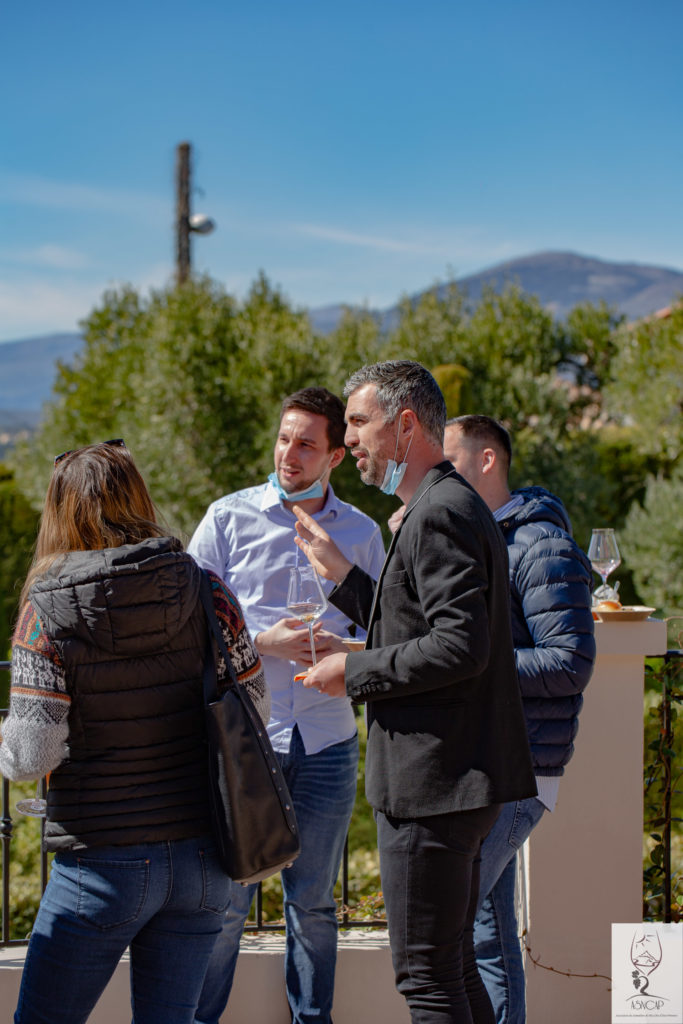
{"x": 663, "y": 776}
{"x": 256, "y": 921}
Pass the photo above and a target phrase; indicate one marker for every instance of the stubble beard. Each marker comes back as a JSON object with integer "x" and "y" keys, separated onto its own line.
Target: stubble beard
{"x": 291, "y": 488}
{"x": 371, "y": 475}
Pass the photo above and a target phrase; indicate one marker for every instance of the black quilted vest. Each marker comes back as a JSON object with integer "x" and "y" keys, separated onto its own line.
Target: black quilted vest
{"x": 131, "y": 633}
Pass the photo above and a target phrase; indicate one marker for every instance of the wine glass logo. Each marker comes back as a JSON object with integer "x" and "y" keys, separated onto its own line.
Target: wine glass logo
{"x": 646, "y": 956}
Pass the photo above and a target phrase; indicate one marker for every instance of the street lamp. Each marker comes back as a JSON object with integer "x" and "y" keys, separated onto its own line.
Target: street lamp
{"x": 186, "y": 223}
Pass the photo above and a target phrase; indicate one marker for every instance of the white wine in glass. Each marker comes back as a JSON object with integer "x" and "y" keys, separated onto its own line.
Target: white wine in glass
{"x": 603, "y": 552}
{"x": 305, "y": 599}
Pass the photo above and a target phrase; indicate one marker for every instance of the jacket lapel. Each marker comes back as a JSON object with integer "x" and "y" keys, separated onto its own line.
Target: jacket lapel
{"x": 430, "y": 478}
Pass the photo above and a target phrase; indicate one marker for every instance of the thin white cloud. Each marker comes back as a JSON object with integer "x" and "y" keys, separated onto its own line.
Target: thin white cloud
{"x": 31, "y": 190}
{"x": 460, "y": 248}
{"x": 342, "y": 237}
{"x": 54, "y": 257}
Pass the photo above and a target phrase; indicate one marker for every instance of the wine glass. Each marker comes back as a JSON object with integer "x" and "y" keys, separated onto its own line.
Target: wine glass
{"x": 646, "y": 951}
{"x": 603, "y": 552}
{"x": 646, "y": 956}
{"x": 34, "y": 806}
{"x": 305, "y": 599}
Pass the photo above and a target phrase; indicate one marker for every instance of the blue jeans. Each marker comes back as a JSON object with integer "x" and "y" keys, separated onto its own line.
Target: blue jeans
{"x": 165, "y": 900}
{"x": 430, "y": 881}
{"x": 496, "y": 933}
{"x": 323, "y": 789}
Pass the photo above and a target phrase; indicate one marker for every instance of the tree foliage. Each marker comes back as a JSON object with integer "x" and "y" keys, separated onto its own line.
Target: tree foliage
{"x": 645, "y": 394}
{"x": 652, "y": 543}
{"x": 646, "y": 390}
{"x": 589, "y": 344}
{"x": 428, "y": 330}
{"x": 510, "y": 359}
{"x": 18, "y": 526}
{"x": 193, "y": 380}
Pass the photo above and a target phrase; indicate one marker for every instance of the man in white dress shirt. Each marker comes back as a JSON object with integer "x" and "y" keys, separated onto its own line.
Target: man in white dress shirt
{"x": 247, "y": 538}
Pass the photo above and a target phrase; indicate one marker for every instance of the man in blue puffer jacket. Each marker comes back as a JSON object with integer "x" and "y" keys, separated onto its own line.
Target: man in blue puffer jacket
{"x": 552, "y": 628}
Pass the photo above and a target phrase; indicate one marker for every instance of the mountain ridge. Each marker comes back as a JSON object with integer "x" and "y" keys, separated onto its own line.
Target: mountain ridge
{"x": 560, "y": 280}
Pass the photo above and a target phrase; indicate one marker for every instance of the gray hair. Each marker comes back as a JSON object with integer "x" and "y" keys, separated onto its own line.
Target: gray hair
{"x": 404, "y": 384}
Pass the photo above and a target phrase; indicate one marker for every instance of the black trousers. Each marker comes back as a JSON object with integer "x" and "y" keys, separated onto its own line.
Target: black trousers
{"x": 430, "y": 881}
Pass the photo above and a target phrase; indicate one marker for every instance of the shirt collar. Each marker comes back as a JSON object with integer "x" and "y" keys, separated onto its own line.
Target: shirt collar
{"x": 509, "y": 506}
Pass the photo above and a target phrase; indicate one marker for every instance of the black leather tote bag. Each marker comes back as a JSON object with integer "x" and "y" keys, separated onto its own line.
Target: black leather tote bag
{"x": 253, "y": 818}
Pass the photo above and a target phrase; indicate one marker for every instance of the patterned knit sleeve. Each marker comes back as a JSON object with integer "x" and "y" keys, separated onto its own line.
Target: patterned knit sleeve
{"x": 244, "y": 656}
{"x": 36, "y": 730}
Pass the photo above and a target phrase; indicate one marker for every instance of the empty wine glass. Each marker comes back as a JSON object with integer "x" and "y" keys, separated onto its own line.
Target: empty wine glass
{"x": 305, "y": 599}
{"x": 34, "y": 806}
{"x": 603, "y": 552}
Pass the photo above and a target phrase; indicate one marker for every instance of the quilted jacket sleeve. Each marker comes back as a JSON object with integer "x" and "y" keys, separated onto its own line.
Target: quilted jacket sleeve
{"x": 551, "y": 610}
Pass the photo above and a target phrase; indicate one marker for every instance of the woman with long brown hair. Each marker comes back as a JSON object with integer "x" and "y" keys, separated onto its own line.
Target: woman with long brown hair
{"x": 106, "y": 695}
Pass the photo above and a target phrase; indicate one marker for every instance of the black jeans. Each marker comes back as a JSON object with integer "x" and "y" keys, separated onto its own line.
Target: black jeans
{"x": 430, "y": 880}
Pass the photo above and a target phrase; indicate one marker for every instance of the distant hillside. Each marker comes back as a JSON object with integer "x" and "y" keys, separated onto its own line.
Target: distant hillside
{"x": 560, "y": 280}
{"x": 27, "y": 371}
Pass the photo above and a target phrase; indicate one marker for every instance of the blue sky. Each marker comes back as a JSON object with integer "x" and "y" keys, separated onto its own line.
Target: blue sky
{"x": 353, "y": 152}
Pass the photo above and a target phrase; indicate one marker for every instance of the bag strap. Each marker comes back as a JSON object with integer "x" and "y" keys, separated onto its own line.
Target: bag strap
{"x": 209, "y": 677}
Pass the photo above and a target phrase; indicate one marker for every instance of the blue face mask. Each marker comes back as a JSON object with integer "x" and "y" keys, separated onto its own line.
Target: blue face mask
{"x": 314, "y": 491}
{"x": 394, "y": 474}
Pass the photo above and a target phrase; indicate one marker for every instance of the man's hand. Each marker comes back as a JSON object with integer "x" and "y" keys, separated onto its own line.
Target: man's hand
{"x": 329, "y": 643}
{"x": 288, "y": 639}
{"x": 328, "y": 676}
{"x": 319, "y": 548}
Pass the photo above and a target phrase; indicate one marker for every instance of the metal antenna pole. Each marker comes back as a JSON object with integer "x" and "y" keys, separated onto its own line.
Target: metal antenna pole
{"x": 183, "y": 213}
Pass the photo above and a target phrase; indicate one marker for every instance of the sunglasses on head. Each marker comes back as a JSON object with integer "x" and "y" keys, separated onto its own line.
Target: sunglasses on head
{"x": 116, "y": 442}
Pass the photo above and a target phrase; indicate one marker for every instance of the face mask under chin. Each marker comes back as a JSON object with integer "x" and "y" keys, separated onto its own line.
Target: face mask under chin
{"x": 394, "y": 473}
{"x": 314, "y": 491}
{"x": 393, "y": 476}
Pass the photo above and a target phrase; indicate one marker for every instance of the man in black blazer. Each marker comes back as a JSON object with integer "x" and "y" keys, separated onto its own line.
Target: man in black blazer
{"x": 447, "y": 743}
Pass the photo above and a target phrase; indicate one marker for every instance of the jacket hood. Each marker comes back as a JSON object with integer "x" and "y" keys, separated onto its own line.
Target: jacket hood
{"x": 539, "y": 506}
{"x": 127, "y": 601}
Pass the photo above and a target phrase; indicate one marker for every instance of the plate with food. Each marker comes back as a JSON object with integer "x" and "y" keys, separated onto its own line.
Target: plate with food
{"x": 613, "y": 611}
